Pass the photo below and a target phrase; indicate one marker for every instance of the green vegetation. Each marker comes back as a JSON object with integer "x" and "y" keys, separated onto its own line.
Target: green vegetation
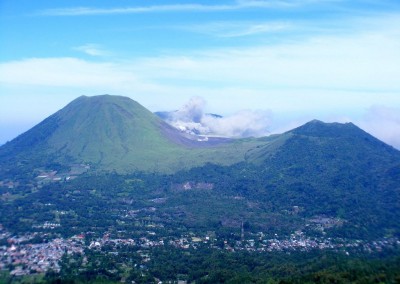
{"x": 208, "y": 266}
{"x": 232, "y": 199}
{"x": 114, "y": 133}
{"x": 318, "y": 170}
{"x": 214, "y": 198}
{"x": 117, "y": 134}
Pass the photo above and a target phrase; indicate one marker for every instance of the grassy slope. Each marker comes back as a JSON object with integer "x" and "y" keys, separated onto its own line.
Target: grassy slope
{"x": 116, "y": 133}
{"x": 129, "y": 137}
{"x": 122, "y": 135}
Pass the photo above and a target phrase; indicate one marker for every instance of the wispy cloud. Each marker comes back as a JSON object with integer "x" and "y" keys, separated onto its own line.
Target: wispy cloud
{"x": 236, "y": 5}
{"x": 238, "y": 29}
{"x": 87, "y": 11}
{"x": 358, "y": 61}
{"x": 92, "y": 49}
{"x": 364, "y": 63}
{"x": 269, "y": 4}
{"x": 66, "y": 72}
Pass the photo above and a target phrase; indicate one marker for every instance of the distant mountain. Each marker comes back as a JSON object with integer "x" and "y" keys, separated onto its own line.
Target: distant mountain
{"x": 110, "y": 133}
{"x": 325, "y": 142}
{"x": 116, "y": 133}
{"x": 318, "y": 172}
{"x": 103, "y": 130}
{"x": 334, "y": 169}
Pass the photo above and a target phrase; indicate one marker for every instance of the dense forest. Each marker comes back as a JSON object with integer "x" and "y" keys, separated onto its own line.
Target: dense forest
{"x": 171, "y": 265}
{"x": 211, "y": 224}
{"x": 208, "y": 198}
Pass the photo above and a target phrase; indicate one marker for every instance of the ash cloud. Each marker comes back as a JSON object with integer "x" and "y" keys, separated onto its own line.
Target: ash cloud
{"x": 193, "y": 119}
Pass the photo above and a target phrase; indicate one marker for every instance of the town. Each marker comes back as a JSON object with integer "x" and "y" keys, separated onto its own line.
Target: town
{"x": 21, "y": 256}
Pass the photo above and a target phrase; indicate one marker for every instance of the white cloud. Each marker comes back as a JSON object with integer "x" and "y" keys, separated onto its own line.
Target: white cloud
{"x": 92, "y": 49}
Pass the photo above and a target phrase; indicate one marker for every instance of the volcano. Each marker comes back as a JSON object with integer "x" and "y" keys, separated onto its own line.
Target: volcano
{"x": 115, "y": 133}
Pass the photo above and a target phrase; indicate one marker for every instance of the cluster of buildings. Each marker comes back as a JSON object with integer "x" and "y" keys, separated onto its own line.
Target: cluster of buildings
{"x": 43, "y": 177}
{"x": 47, "y": 176}
{"x": 258, "y": 242}
{"x": 48, "y": 225}
{"x": 142, "y": 242}
{"x": 298, "y": 241}
{"x": 22, "y": 258}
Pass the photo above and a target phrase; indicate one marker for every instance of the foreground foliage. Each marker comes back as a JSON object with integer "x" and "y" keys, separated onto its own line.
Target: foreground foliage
{"x": 204, "y": 266}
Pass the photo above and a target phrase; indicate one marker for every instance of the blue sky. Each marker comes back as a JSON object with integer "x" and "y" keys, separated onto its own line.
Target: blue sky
{"x": 333, "y": 60}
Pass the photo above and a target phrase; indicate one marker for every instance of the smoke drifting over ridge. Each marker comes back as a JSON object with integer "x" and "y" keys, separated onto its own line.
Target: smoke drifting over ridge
{"x": 381, "y": 121}
{"x": 191, "y": 118}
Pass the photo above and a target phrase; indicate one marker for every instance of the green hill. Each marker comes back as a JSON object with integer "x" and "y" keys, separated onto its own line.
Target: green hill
{"x": 317, "y": 191}
{"x": 330, "y": 169}
{"x": 115, "y": 133}
{"x": 105, "y": 131}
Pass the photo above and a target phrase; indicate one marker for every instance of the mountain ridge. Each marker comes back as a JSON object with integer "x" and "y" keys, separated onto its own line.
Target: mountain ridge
{"x": 117, "y": 133}
{"x": 112, "y": 133}
{"x": 279, "y": 182}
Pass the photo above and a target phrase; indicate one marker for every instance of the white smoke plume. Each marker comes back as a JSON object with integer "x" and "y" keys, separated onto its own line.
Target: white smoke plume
{"x": 192, "y": 111}
{"x": 244, "y": 123}
{"x": 191, "y": 118}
